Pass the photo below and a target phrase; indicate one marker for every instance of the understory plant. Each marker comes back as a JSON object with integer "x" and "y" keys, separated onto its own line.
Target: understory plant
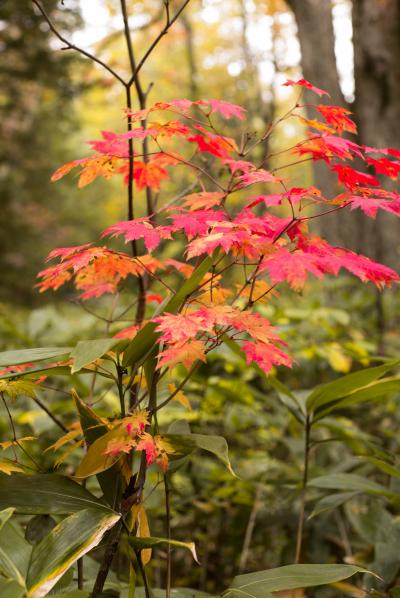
{"x": 191, "y": 272}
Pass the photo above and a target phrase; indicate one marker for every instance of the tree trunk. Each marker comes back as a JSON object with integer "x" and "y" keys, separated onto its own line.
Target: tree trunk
{"x": 317, "y": 44}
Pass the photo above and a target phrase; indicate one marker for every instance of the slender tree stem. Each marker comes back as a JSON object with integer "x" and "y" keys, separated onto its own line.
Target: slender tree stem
{"x": 300, "y": 524}
{"x": 70, "y": 46}
{"x": 80, "y": 573}
{"x": 110, "y": 552}
{"x": 250, "y": 529}
{"x": 50, "y": 414}
{"x": 168, "y": 525}
{"x": 144, "y": 575}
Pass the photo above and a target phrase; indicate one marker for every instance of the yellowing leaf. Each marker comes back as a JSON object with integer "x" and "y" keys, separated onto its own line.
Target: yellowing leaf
{"x": 143, "y": 531}
{"x": 8, "y": 467}
{"x": 96, "y": 459}
{"x": 8, "y": 443}
{"x": 14, "y": 388}
{"x": 180, "y": 397}
{"x": 338, "y": 360}
{"x": 68, "y": 437}
{"x": 261, "y": 290}
{"x": 68, "y": 451}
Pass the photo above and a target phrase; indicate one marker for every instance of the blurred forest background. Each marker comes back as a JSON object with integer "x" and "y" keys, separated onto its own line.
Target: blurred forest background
{"x": 52, "y": 102}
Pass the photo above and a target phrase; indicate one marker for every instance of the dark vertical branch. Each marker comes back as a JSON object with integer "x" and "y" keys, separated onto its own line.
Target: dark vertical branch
{"x": 300, "y": 525}
{"x": 110, "y": 552}
{"x": 168, "y": 525}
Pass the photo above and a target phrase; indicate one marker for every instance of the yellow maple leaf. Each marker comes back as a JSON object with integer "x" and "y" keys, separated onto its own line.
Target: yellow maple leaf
{"x": 8, "y": 467}
{"x": 180, "y": 397}
{"x": 14, "y": 388}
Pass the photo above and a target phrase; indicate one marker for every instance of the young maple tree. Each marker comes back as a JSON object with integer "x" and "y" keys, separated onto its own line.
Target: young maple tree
{"x": 229, "y": 256}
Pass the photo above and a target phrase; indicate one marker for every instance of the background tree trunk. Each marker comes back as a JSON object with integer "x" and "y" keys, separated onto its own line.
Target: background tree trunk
{"x": 318, "y": 61}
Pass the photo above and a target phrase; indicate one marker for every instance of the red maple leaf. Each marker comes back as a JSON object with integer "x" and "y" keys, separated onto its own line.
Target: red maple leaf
{"x": 96, "y": 270}
{"x": 307, "y": 85}
{"x": 185, "y": 352}
{"x": 216, "y": 145}
{"x": 266, "y": 355}
{"x": 140, "y": 228}
{"x": 371, "y": 205}
{"x": 226, "y": 109}
{"x": 258, "y": 176}
{"x": 337, "y": 117}
{"x": 390, "y": 168}
{"x": 203, "y": 200}
{"x": 353, "y": 178}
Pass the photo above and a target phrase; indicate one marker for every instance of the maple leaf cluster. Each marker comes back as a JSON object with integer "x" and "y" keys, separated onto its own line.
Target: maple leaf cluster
{"x": 270, "y": 248}
{"x": 131, "y": 434}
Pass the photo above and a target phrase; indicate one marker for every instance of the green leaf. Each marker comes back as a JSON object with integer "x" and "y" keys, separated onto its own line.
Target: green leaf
{"x": 31, "y": 355}
{"x": 331, "y": 502}
{"x": 372, "y": 392}
{"x": 149, "y": 542}
{"x": 15, "y": 552}
{"x": 185, "y": 443}
{"x": 46, "y": 493}
{"x": 58, "y": 370}
{"x": 86, "y": 352}
{"x": 350, "y": 482}
{"x": 175, "y": 593}
{"x": 11, "y": 589}
{"x": 5, "y": 515}
{"x": 147, "y": 337}
{"x": 290, "y": 577}
{"x": 345, "y": 385}
{"x": 74, "y": 594}
{"x": 67, "y": 542}
{"x": 383, "y": 466}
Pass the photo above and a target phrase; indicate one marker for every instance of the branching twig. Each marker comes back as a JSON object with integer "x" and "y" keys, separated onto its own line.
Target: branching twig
{"x": 71, "y": 46}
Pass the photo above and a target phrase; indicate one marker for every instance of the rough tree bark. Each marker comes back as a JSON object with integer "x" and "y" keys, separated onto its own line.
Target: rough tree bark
{"x": 317, "y": 44}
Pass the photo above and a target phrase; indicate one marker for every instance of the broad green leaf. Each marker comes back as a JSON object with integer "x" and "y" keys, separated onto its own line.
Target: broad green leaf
{"x": 46, "y": 494}
{"x": 345, "y": 385}
{"x": 73, "y": 594}
{"x": 185, "y": 443}
{"x": 5, "y": 515}
{"x": 143, "y": 543}
{"x": 31, "y": 355}
{"x": 383, "y": 466}
{"x": 58, "y": 370}
{"x": 289, "y": 577}
{"x": 350, "y": 482}
{"x": 86, "y": 352}
{"x": 93, "y": 427}
{"x": 67, "y": 542}
{"x": 15, "y": 552}
{"x": 147, "y": 337}
{"x": 11, "y": 589}
{"x": 331, "y": 502}
{"x": 372, "y": 392}
{"x": 175, "y": 593}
